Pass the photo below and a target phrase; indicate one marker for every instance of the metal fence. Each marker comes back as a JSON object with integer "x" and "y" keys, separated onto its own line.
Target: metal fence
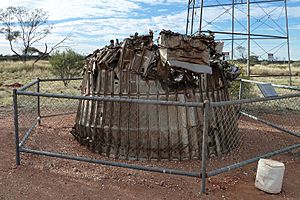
{"x": 267, "y": 126}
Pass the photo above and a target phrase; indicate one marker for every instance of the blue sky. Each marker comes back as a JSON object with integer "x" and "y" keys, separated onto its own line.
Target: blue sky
{"x": 92, "y": 23}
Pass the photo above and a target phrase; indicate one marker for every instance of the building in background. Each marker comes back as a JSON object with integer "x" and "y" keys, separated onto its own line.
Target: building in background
{"x": 270, "y": 57}
{"x": 226, "y": 55}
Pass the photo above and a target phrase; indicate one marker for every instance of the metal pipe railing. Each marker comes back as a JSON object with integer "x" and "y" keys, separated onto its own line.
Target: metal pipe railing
{"x": 252, "y": 160}
{"x": 254, "y": 100}
{"x": 111, "y": 163}
{"x": 24, "y": 87}
{"x": 274, "y": 85}
{"x": 16, "y": 125}
{"x": 28, "y": 133}
{"x": 58, "y": 114}
{"x": 60, "y": 79}
{"x": 38, "y": 101}
{"x": 271, "y": 124}
{"x": 206, "y": 123}
{"x": 206, "y": 116}
{"x": 113, "y": 99}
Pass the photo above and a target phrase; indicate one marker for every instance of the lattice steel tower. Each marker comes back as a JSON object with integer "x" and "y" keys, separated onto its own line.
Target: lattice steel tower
{"x": 260, "y": 25}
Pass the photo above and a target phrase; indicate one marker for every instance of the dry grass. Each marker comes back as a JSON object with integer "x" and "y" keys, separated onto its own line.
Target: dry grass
{"x": 17, "y": 66}
{"x": 281, "y": 70}
{"x": 17, "y": 72}
{"x": 274, "y": 69}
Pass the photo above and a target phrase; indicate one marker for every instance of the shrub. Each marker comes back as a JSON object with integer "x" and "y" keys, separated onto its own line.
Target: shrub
{"x": 235, "y": 87}
{"x": 296, "y": 64}
{"x": 66, "y": 64}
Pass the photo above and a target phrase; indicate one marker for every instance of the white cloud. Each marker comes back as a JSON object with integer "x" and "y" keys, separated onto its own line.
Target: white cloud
{"x": 100, "y": 31}
{"x": 92, "y": 23}
{"x": 90, "y": 30}
{"x": 64, "y": 9}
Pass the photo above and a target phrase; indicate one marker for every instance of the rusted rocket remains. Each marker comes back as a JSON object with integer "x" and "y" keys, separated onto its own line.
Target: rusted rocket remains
{"x": 179, "y": 68}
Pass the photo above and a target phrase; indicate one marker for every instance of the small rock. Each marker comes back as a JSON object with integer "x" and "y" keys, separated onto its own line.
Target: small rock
{"x": 76, "y": 170}
{"x": 162, "y": 183}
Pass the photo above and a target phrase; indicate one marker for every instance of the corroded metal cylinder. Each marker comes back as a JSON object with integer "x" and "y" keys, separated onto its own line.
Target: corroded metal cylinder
{"x": 137, "y": 70}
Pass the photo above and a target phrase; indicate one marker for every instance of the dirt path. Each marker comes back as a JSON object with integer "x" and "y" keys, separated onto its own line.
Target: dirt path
{"x": 41, "y": 178}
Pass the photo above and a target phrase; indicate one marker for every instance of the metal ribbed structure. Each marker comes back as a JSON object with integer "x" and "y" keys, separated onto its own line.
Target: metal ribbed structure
{"x": 136, "y": 70}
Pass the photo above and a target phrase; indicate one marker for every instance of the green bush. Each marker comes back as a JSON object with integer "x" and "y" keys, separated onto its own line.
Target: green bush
{"x": 247, "y": 89}
{"x": 296, "y": 64}
{"x": 66, "y": 64}
{"x": 234, "y": 88}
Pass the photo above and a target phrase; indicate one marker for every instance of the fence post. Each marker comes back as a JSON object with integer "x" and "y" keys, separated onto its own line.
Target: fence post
{"x": 38, "y": 102}
{"x": 204, "y": 145}
{"x": 16, "y": 124}
{"x": 241, "y": 89}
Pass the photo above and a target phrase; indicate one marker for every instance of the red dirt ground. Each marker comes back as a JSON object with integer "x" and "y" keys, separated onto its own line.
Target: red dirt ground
{"x": 48, "y": 178}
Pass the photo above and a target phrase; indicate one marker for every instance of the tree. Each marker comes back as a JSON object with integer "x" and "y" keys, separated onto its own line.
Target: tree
{"x": 67, "y": 64}
{"x": 242, "y": 53}
{"x": 253, "y": 59}
{"x": 32, "y": 50}
{"x": 26, "y": 28}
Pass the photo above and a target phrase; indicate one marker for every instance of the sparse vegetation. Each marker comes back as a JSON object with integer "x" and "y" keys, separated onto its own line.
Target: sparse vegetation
{"x": 235, "y": 87}
{"x": 12, "y": 73}
{"x": 274, "y": 69}
{"x": 264, "y": 63}
{"x": 296, "y": 64}
{"x": 66, "y": 64}
{"x": 16, "y": 72}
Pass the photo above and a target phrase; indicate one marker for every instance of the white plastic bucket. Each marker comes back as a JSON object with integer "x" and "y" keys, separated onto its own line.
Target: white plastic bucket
{"x": 269, "y": 175}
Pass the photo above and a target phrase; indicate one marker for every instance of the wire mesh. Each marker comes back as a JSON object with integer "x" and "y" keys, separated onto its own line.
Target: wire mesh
{"x": 251, "y": 90}
{"x": 27, "y": 110}
{"x": 57, "y": 106}
{"x": 253, "y": 138}
{"x": 134, "y": 131}
{"x": 71, "y": 87}
{"x": 129, "y": 128}
{"x": 158, "y": 131}
{"x": 281, "y": 112}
